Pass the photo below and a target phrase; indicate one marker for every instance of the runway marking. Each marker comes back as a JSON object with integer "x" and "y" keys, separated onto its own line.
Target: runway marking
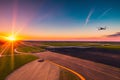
{"x": 77, "y": 74}
{"x": 97, "y": 70}
{"x": 80, "y": 76}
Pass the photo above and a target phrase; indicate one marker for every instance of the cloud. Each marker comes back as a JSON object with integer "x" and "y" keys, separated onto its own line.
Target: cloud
{"x": 88, "y": 17}
{"x": 114, "y": 35}
{"x": 104, "y": 13}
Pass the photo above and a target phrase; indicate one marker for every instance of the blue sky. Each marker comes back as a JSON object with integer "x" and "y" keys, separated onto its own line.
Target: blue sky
{"x": 74, "y": 12}
{"x": 60, "y": 19}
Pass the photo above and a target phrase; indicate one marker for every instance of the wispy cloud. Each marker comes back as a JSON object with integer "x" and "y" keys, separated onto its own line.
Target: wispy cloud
{"x": 114, "y": 35}
{"x": 104, "y": 13}
{"x": 88, "y": 17}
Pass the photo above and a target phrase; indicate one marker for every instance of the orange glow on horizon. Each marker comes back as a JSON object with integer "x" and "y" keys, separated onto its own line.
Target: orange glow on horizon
{"x": 11, "y": 38}
{"x": 59, "y": 38}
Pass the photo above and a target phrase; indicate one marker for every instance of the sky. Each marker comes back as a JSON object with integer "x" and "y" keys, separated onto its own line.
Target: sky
{"x": 72, "y": 20}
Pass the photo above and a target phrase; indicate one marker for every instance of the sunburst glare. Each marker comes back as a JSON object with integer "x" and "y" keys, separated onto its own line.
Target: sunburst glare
{"x": 11, "y": 38}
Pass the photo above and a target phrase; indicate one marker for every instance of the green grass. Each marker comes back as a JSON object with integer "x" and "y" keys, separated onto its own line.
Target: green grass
{"x": 66, "y": 75}
{"x": 107, "y": 45}
{"x": 30, "y": 49}
{"x": 111, "y": 47}
{"x": 6, "y": 66}
{"x": 68, "y": 44}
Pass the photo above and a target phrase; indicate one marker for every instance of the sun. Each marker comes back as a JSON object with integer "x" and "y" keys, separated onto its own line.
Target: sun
{"x": 11, "y": 38}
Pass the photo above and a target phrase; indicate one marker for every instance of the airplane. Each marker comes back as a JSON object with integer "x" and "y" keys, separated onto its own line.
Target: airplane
{"x": 102, "y": 28}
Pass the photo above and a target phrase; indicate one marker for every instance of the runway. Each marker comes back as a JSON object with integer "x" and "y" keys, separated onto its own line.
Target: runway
{"x": 36, "y": 71}
{"x": 88, "y": 69}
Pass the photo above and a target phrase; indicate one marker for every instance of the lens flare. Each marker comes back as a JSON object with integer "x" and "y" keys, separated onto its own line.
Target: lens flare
{"x": 8, "y": 48}
{"x": 11, "y": 38}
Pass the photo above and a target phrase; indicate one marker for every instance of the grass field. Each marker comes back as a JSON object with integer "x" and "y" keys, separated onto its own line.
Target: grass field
{"x": 66, "y": 75}
{"x": 105, "y": 45}
{"x": 65, "y": 44}
{"x": 111, "y": 47}
{"x": 30, "y": 49}
{"x": 19, "y": 60}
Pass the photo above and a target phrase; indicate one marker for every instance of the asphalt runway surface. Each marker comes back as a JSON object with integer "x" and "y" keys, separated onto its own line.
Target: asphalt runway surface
{"x": 88, "y": 69}
{"x": 36, "y": 71}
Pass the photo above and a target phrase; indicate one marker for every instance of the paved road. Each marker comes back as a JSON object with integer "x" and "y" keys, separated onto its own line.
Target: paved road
{"x": 36, "y": 71}
{"x": 90, "y": 70}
